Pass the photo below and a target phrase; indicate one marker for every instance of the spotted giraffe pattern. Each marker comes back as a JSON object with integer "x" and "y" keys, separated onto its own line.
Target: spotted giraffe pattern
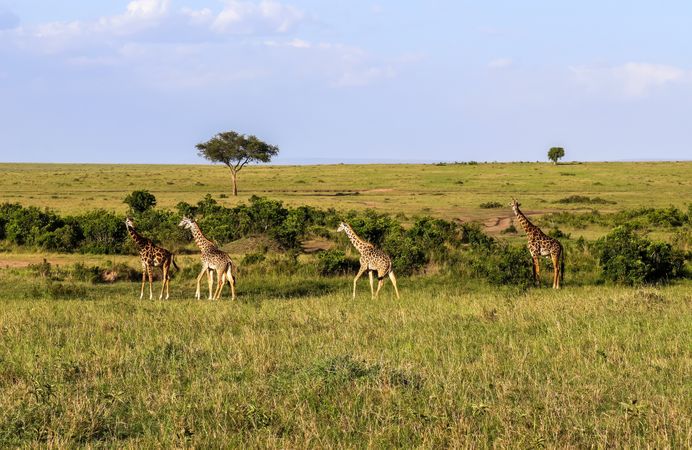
{"x": 213, "y": 259}
{"x": 372, "y": 259}
{"x": 540, "y": 244}
{"x": 151, "y": 256}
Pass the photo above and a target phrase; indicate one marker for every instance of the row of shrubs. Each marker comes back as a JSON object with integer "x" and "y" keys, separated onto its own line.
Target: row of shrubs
{"x": 427, "y": 244}
{"x": 640, "y": 218}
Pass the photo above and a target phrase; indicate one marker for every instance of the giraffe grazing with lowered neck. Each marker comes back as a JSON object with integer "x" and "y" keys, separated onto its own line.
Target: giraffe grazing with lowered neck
{"x": 151, "y": 256}
{"x": 372, "y": 259}
{"x": 213, "y": 259}
{"x": 541, "y": 244}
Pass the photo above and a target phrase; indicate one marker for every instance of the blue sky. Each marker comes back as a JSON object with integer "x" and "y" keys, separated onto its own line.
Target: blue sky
{"x": 329, "y": 81}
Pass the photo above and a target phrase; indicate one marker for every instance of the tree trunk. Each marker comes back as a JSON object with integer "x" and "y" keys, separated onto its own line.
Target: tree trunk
{"x": 234, "y": 175}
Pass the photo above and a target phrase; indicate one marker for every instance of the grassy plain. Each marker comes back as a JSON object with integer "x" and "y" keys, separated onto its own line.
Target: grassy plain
{"x": 448, "y": 191}
{"x": 295, "y": 363}
{"x": 449, "y": 365}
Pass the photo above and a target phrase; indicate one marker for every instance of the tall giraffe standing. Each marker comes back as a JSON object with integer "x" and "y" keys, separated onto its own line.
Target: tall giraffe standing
{"x": 371, "y": 259}
{"x": 541, "y": 244}
{"x": 151, "y": 256}
{"x": 213, "y": 259}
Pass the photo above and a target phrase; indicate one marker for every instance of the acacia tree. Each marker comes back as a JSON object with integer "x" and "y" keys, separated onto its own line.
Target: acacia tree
{"x": 235, "y": 151}
{"x": 556, "y": 153}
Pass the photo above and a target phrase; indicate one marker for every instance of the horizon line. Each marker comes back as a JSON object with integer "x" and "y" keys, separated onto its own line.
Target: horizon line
{"x": 336, "y": 162}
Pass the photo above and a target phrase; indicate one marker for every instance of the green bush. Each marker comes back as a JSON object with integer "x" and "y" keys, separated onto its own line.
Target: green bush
{"x": 584, "y": 199}
{"x": 472, "y": 234}
{"x": 372, "y": 226}
{"x": 104, "y": 232}
{"x": 510, "y": 229}
{"x": 502, "y": 265}
{"x": 335, "y": 262}
{"x": 491, "y": 205}
{"x": 436, "y": 237}
{"x": 140, "y": 201}
{"x": 89, "y": 274}
{"x": 557, "y": 233}
{"x": 27, "y": 226}
{"x": 627, "y": 258}
{"x": 407, "y": 256}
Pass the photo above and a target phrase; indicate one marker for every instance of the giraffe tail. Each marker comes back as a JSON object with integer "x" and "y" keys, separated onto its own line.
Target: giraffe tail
{"x": 232, "y": 272}
{"x": 174, "y": 264}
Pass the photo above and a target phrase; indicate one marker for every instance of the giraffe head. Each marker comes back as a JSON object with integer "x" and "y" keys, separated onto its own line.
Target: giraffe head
{"x": 186, "y": 223}
{"x": 129, "y": 223}
{"x": 343, "y": 226}
{"x": 514, "y": 204}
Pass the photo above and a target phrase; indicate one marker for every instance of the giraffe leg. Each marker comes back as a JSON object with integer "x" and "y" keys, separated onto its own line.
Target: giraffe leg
{"x": 164, "y": 269}
{"x": 372, "y": 288}
{"x": 536, "y": 271}
{"x": 360, "y": 272}
{"x": 393, "y": 278}
{"x": 221, "y": 280}
{"x": 144, "y": 277}
{"x": 380, "y": 282}
{"x": 210, "y": 280}
{"x": 231, "y": 281}
{"x": 151, "y": 281}
{"x": 168, "y": 281}
{"x": 198, "y": 293}
{"x": 556, "y": 270}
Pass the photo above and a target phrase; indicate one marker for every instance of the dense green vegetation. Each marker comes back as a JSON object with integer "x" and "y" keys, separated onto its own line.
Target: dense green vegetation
{"x": 427, "y": 243}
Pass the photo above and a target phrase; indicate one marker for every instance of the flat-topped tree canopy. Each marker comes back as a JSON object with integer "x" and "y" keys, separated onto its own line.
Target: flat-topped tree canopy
{"x": 235, "y": 150}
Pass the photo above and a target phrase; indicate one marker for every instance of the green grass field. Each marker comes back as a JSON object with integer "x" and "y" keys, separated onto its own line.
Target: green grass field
{"x": 448, "y": 365}
{"x": 448, "y": 191}
{"x": 296, "y": 363}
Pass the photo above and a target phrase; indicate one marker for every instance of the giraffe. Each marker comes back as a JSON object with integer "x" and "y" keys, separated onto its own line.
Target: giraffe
{"x": 541, "y": 245}
{"x": 213, "y": 259}
{"x": 151, "y": 256}
{"x": 372, "y": 259}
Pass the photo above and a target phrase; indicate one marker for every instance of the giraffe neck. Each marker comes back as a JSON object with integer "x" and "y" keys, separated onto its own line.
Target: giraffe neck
{"x": 524, "y": 222}
{"x": 140, "y": 241}
{"x": 357, "y": 242}
{"x": 202, "y": 242}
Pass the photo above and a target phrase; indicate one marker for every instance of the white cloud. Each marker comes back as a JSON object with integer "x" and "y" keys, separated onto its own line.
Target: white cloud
{"x": 267, "y": 16}
{"x": 151, "y": 43}
{"x": 156, "y": 19}
{"x": 631, "y": 79}
{"x": 500, "y": 63}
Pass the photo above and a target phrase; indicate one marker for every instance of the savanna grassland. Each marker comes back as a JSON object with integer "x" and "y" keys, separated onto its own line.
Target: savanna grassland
{"x": 444, "y": 190}
{"x": 297, "y": 363}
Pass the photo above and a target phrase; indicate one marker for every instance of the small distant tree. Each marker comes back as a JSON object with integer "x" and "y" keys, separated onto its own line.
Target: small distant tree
{"x": 235, "y": 151}
{"x": 556, "y": 153}
{"x": 140, "y": 201}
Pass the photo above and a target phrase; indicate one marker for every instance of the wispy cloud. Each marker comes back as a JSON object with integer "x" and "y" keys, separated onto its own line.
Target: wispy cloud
{"x": 153, "y": 43}
{"x": 633, "y": 79}
{"x": 144, "y": 17}
{"x": 267, "y": 16}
